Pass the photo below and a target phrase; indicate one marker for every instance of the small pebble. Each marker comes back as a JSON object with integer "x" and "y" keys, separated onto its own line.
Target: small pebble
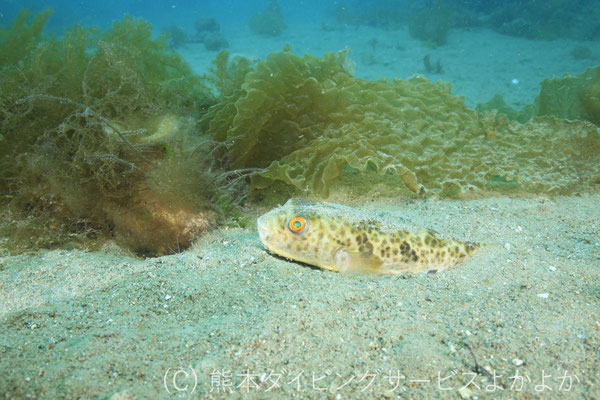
{"x": 168, "y": 297}
{"x": 518, "y": 362}
{"x": 518, "y": 229}
{"x": 552, "y": 268}
{"x": 465, "y": 392}
{"x": 507, "y": 246}
{"x": 543, "y": 295}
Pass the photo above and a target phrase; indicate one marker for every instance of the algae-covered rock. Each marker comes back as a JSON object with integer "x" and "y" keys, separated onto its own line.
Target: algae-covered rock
{"x": 305, "y": 119}
{"x": 268, "y": 22}
{"x": 581, "y": 53}
{"x": 431, "y": 25}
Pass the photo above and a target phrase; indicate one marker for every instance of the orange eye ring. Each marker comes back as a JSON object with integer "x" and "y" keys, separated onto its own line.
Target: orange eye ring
{"x": 297, "y": 224}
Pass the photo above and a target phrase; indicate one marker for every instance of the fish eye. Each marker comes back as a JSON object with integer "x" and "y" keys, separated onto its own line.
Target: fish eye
{"x": 297, "y": 224}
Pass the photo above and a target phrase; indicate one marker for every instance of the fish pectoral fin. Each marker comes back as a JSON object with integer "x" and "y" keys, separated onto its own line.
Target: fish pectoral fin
{"x": 347, "y": 261}
{"x": 424, "y": 231}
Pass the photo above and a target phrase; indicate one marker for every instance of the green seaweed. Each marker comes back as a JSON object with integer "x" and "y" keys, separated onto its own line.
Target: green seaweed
{"x": 276, "y": 107}
{"x": 306, "y": 119}
{"x": 570, "y": 97}
{"x": 167, "y": 77}
{"x": 498, "y": 104}
{"x": 22, "y": 37}
{"x": 227, "y": 75}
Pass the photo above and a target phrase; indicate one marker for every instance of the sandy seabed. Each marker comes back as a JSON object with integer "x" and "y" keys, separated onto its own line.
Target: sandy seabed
{"x": 225, "y": 319}
{"x": 245, "y": 324}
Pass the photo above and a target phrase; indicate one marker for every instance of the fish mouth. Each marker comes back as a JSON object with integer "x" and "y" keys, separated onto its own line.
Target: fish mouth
{"x": 263, "y": 233}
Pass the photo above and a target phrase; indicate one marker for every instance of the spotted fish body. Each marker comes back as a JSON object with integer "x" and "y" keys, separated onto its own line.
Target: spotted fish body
{"x": 339, "y": 238}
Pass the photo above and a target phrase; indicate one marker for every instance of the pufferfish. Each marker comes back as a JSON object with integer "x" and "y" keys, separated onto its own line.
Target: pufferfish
{"x": 339, "y": 238}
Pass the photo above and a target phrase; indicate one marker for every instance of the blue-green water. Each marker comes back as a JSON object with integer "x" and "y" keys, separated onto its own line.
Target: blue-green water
{"x": 133, "y": 168}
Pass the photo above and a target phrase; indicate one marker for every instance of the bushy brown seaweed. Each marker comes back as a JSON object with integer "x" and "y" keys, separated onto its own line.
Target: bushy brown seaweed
{"x": 99, "y": 140}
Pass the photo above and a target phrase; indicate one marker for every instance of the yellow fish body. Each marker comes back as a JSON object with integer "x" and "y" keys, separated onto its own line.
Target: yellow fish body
{"x": 339, "y": 238}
